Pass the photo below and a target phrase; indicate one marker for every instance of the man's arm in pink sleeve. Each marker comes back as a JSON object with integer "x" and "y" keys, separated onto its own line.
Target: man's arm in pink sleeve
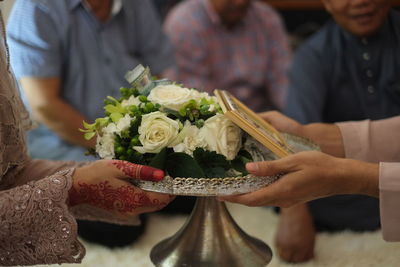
{"x": 372, "y": 141}
{"x": 389, "y": 194}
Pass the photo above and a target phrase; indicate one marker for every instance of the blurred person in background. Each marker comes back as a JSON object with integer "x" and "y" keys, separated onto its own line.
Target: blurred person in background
{"x": 68, "y": 56}
{"x": 346, "y": 71}
{"x": 235, "y": 45}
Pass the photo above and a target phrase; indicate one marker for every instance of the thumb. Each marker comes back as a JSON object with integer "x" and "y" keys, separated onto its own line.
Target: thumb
{"x": 266, "y": 168}
{"x": 138, "y": 171}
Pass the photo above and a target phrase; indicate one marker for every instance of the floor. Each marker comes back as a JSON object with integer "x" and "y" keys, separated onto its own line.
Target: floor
{"x": 343, "y": 249}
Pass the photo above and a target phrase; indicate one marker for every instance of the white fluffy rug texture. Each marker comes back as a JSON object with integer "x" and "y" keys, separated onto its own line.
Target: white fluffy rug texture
{"x": 339, "y": 249}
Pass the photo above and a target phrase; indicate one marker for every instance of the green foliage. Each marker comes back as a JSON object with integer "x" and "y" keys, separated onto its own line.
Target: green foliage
{"x": 90, "y": 130}
{"x": 239, "y": 163}
{"x": 158, "y": 161}
{"x": 183, "y": 165}
{"x": 213, "y": 164}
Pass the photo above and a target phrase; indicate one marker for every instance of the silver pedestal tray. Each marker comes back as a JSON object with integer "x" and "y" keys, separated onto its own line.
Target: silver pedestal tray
{"x": 210, "y": 237}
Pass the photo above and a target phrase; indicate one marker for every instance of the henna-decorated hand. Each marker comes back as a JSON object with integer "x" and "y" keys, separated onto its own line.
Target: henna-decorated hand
{"x": 104, "y": 184}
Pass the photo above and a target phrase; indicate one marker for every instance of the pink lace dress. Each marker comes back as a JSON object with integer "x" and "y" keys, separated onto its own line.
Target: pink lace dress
{"x": 36, "y": 225}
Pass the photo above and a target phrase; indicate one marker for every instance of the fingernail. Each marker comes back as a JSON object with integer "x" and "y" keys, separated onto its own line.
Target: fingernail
{"x": 158, "y": 175}
{"x": 252, "y": 167}
{"x": 151, "y": 174}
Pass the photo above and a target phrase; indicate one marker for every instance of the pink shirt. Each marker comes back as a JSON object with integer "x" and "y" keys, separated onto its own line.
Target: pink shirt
{"x": 379, "y": 141}
{"x": 250, "y": 60}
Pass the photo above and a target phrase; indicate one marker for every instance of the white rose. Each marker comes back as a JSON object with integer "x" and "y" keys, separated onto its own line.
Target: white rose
{"x": 222, "y": 136}
{"x": 156, "y": 131}
{"x": 190, "y": 139}
{"x": 105, "y": 146}
{"x": 131, "y": 101}
{"x": 170, "y": 96}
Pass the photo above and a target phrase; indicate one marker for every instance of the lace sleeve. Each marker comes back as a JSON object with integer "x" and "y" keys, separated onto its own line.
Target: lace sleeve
{"x": 35, "y": 224}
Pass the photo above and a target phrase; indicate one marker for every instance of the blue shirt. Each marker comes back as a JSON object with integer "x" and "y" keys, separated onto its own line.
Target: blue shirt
{"x": 63, "y": 38}
{"x": 335, "y": 77}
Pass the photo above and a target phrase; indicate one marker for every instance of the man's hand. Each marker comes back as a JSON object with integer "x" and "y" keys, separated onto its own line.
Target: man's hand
{"x": 327, "y": 136}
{"x": 308, "y": 176}
{"x": 282, "y": 123}
{"x": 104, "y": 184}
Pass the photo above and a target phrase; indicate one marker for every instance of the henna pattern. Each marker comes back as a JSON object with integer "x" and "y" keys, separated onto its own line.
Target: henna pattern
{"x": 139, "y": 171}
{"x": 122, "y": 199}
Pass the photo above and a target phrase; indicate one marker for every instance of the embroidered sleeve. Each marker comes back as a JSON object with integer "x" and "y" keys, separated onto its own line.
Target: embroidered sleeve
{"x": 35, "y": 224}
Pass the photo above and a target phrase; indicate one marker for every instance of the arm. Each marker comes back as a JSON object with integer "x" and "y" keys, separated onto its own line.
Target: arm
{"x": 372, "y": 141}
{"x": 37, "y": 58}
{"x": 44, "y": 98}
{"x": 376, "y": 140}
{"x": 312, "y": 175}
{"x": 35, "y": 212}
{"x": 327, "y": 136}
{"x": 389, "y": 199}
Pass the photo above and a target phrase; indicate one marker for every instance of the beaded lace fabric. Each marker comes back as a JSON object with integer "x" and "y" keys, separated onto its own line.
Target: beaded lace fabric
{"x": 36, "y": 226}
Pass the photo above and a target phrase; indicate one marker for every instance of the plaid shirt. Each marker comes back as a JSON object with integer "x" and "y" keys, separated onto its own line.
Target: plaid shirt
{"x": 250, "y": 60}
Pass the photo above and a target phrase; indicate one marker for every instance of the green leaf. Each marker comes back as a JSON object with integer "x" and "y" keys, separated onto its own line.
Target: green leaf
{"x": 159, "y": 159}
{"x": 89, "y": 126}
{"x": 239, "y": 163}
{"x": 183, "y": 165}
{"x": 136, "y": 158}
{"x": 115, "y": 117}
{"x": 114, "y": 109}
{"x": 101, "y": 122}
{"x": 213, "y": 164}
{"x": 89, "y": 136}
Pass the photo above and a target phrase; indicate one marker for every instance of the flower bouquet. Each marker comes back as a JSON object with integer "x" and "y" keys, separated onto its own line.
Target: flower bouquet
{"x": 167, "y": 126}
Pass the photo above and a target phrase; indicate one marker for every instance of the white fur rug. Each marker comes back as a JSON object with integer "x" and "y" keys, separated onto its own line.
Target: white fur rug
{"x": 342, "y": 250}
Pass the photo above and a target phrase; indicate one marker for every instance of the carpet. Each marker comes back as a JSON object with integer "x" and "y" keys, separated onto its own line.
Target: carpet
{"x": 345, "y": 249}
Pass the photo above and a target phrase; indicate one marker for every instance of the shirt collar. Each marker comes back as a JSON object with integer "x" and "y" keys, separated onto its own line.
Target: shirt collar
{"x": 116, "y": 7}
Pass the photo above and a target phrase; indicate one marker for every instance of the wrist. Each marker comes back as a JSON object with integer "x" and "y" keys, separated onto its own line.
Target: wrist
{"x": 361, "y": 178}
{"x": 327, "y": 136}
{"x": 74, "y": 197}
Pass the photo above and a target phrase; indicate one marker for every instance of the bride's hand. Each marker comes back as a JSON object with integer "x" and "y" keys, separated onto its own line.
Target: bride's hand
{"x": 104, "y": 184}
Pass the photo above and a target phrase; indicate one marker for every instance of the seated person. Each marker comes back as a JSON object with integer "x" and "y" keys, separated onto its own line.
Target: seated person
{"x": 68, "y": 56}
{"x": 239, "y": 46}
{"x": 346, "y": 71}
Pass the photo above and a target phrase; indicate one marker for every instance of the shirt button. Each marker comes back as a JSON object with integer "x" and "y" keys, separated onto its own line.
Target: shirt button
{"x": 366, "y": 56}
{"x": 371, "y": 89}
{"x": 369, "y": 73}
{"x": 364, "y": 41}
